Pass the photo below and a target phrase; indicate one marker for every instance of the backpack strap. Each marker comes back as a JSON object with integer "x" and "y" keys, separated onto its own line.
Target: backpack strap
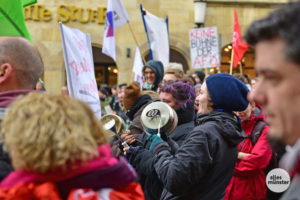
{"x": 255, "y": 134}
{"x": 257, "y": 130}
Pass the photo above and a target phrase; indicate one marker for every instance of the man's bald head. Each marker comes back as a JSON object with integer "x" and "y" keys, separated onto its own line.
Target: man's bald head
{"x": 24, "y": 58}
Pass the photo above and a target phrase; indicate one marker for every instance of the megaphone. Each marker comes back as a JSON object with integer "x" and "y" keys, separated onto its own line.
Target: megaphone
{"x": 114, "y": 125}
{"x": 159, "y": 117}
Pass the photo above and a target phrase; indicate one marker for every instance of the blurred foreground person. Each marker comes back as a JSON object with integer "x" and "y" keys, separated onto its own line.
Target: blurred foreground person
{"x": 61, "y": 153}
{"x": 277, "y": 62}
{"x": 204, "y": 164}
{"x": 20, "y": 68}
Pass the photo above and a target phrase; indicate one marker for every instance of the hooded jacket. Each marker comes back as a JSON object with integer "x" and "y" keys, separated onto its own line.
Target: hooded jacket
{"x": 204, "y": 164}
{"x": 158, "y": 70}
{"x": 249, "y": 180}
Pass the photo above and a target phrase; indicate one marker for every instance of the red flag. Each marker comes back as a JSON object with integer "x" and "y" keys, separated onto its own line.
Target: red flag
{"x": 238, "y": 45}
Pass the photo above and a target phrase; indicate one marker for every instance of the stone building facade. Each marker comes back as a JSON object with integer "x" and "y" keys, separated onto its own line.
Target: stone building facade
{"x": 89, "y": 16}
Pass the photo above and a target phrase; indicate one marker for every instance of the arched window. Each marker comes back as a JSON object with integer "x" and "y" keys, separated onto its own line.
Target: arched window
{"x": 106, "y": 70}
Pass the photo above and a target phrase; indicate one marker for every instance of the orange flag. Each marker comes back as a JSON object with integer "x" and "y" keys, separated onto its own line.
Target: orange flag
{"x": 238, "y": 45}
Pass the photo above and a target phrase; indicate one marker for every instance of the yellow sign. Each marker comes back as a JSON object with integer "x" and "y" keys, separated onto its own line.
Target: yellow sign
{"x": 65, "y": 13}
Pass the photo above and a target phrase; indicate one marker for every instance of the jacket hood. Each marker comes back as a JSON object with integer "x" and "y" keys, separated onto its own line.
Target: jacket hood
{"x": 158, "y": 69}
{"x": 230, "y": 127}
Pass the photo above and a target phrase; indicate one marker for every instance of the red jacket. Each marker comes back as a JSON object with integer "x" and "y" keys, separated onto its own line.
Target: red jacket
{"x": 248, "y": 181}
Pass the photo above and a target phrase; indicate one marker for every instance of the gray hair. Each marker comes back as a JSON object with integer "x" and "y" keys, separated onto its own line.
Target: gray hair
{"x": 24, "y": 58}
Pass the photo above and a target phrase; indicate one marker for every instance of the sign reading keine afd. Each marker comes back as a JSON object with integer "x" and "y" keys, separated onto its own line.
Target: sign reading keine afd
{"x": 204, "y": 47}
{"x": 80, "y": 67}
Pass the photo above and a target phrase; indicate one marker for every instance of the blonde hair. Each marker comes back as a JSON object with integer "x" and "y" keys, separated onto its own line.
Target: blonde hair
{"x": 176, "y": 72}
{"x": 47, "y": 132}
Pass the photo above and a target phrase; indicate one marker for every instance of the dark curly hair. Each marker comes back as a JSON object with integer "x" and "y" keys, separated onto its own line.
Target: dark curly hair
{"x": 182, "y": 91}
{"x": 283, "y": 23}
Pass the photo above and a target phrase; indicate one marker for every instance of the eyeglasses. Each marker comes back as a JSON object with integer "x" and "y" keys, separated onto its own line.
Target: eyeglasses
{"x": 148, "y": 72}
{"x": 168, "y": 81}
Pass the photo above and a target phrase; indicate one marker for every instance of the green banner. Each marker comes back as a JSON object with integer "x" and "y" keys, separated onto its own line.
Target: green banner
{"x": 12, "y": 20}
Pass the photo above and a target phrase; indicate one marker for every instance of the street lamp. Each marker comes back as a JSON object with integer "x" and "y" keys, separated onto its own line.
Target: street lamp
{"x": 199, "y": 9}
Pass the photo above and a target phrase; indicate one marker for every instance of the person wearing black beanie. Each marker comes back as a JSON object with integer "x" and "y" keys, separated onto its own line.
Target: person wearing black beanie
{"x": 203, "y": 165}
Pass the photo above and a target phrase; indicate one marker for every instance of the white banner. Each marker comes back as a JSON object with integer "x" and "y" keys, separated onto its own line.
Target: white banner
{"x": 159, "y": 38}
{"x": 79, "y": 65}
{"x": 204, "y": 47}
{"x": 116, "y": 16}
{"x": 137, "y": 67}
{"x": 120, "y": 14}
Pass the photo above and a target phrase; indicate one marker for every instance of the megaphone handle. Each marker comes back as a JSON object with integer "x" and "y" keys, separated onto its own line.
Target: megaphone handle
{"x": 158, "y": 131}
{"x": 124, "y": 144}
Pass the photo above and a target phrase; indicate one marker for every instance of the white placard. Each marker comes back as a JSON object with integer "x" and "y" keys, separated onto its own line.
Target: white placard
{"x": 204, "y": 47}
{"x": 79, "y": 65}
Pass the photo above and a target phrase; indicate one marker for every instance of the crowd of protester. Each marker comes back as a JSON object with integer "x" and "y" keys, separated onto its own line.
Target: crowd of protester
{"x": 53, "y": 147}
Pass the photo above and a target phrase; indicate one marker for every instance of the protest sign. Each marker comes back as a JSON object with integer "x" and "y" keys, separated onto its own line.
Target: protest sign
{"x": 79, "y": 65}
{"x": 204, "y": 47}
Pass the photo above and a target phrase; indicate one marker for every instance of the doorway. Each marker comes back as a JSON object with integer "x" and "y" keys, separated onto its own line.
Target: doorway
{"x": 106, "y": 70}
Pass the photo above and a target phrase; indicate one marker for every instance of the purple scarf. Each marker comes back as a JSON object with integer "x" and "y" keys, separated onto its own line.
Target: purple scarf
{"x": 6, "y": 98}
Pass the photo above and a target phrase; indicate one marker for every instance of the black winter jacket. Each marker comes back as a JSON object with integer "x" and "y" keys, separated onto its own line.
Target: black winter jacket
{"x": 204, "y": 164}
{"x": 143, "y": 160}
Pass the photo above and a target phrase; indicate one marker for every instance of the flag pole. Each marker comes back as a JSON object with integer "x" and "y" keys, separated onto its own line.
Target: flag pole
{"x": 167, "y": 22}
{"x": 241, "y": 68}
{"x": 145, "y": 26}
{"x": 135, "y": 40}
{"x": 206, "y": 72}
{"x": 231, "y": 63}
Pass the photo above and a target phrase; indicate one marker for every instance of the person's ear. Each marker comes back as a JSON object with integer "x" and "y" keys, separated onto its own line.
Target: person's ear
{"x": 5, "y": 72}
